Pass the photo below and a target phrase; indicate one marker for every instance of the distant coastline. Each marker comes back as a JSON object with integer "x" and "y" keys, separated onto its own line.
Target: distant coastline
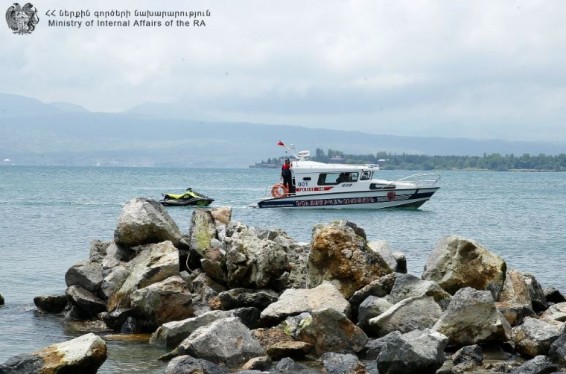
{"x": 392, "y": 161}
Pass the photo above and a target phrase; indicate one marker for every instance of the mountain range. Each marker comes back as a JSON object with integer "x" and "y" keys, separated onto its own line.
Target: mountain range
{"x": 168, "y": 135}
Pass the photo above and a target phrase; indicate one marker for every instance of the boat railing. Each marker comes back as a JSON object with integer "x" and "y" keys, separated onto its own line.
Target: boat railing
{"x": 421, "y": 180}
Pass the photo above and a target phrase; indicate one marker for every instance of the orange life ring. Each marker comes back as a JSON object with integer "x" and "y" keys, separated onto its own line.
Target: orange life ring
{"x": 279, "y": 190}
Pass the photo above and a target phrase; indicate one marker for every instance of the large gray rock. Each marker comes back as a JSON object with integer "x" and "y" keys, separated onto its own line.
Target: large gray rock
{"x": 371, "y": 307}
{"x": 557, "y": 351}
{"x": 296, "y": 301}
{"x": 538, "y": 297}
{"x": 556, "y": 312}
{"x": 344, "y": 258}
{"x": 407, "y": 285}
{"x": 88, "y": 303}
{"x": 339, "y": 363}
{"x": 172, "y": 333}
{"x": 51, "y": 304}
{"x": 187, "y": 364}
{"x": 456, "y": 263}
{"x": 414, "y": 313}
{"x": 534, "y": 337}
{"x": 328, "y": 330}
{"x": 538, "y": 365}
{"x": 467, "y": 358}
{"x": 515, "y": 299}
{"x": 254, "y": 262}
{"x": 243, "y": 297}
{"x": 227, "y": 341}
{"x": 472, "y": 318}
{"x": 161, "y": 302}
{"x": 144, "y": 221}
{"x": 84, "y": 354}
{"x": 418, "y": 352}
{"x": 153, "y": 263}
{"x": 380, "y": 288}
{"x": 202, "y": 231}
{"x": 85, "y": 274}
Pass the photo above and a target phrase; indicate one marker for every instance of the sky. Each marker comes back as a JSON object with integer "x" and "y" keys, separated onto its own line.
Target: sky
{"x": 483, "y": 69}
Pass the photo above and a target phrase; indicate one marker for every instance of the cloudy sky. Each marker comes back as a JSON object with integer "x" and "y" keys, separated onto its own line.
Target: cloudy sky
{"x": 479, "y": 69}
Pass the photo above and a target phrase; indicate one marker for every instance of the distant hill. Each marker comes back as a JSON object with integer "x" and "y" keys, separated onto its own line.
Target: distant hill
{"x": 35, "y": 133}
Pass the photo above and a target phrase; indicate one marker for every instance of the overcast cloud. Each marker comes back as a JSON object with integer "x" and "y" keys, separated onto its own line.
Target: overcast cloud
{"x": 479, "y": 69}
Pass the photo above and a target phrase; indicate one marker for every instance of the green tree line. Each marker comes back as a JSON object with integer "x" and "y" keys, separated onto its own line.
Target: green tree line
{"x": 492, "y": 161}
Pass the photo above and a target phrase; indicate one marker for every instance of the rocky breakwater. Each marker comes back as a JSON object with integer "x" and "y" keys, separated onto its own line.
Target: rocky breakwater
{"x": 226, "y": 297}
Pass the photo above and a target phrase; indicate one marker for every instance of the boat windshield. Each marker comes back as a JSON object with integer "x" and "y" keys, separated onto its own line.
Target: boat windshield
{"x": 325, "y": 179}
{"x": 366, "y": 175}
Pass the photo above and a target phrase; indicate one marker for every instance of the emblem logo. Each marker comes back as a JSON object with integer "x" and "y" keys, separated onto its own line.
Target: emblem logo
{"x": 22, "y": 20}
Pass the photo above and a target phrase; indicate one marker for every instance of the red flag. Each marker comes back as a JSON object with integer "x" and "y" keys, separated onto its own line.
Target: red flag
{"x": 281, "y": 143}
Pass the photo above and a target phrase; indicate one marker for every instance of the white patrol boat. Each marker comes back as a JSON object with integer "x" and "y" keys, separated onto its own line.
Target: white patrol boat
{"x": 321, "y": 185}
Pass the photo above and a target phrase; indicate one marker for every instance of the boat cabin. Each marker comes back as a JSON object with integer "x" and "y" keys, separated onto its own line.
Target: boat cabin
{"x": 317, "y": 177}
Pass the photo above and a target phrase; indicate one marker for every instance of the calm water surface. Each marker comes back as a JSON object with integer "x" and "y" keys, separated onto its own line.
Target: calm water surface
{"x": 49, "y": 216}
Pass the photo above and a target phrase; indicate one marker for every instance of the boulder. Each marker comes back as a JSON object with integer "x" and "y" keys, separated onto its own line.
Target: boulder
{"x": 384, "y": 250}
{"x": 380, "y": 288}
{"x": 161, "y": 302}
{"x": 268, "y": 337}
{"x": 472, "y": 318}
{"x": 144, "y": 221}
{"x": 222, "y": 217}
{"x": 88, "y": 303}
{"x": 407, "y": 285}
{"x": 537, "y": 365}
{"x": 205, "y": 292}
{"x": 260, "y": 364}
{"x": 328, "y": 330}
{"x": 288, "y": 365}
{"x": 515, "y": 299}
{"x": 556, "y": 312}
{"x": 115, "y": 256}
{"x": 84, "y": 354}
{"x": 538, "y": 297}
{"x": 338, "y": 363}
{"x": 153, "y": 263}
{"x": 467, "y": 359}
{"x": 187, "y": 364}
{"x": 534, "y": 337}
{"x": 226, "y": 341}
{"x": 86, "y": 274}
{"x": 374, "y": 346}
{"x": 401, "y": 260}
{"x": 253, "y": 262}
{"x": 172, "y": 333}
{"x": 553, "y": 296}
{"x": 456, "y": 263}
{"x": 295, "y": 301}
{"x": 202, "y": 231}
{"x": 51, "y": 304}
{"x": 371, "y": 307}
{"x": 243, "y": 297}
{"x": 98, "y": 250}
{"x": 557, "y": 351}
{"x": 414, "y": 313}
{"x": 113, "y": 280}
{"x": 344, "y": 258}
{"x": 288, "y": 348}
{"x": 418, "y": 352}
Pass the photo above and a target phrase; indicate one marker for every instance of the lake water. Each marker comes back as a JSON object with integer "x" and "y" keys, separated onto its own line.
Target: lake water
{"x": 49, "y": 216}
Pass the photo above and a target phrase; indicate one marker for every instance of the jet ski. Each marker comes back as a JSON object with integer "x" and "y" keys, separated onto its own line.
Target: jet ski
{"x": 189, "y": 197}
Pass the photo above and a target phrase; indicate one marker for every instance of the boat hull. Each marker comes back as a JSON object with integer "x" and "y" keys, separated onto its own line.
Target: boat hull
{"x": 399, "y": 198}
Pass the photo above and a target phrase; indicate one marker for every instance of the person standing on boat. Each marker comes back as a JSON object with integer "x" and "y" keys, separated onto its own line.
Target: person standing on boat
{"x": 286, "y": 175}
